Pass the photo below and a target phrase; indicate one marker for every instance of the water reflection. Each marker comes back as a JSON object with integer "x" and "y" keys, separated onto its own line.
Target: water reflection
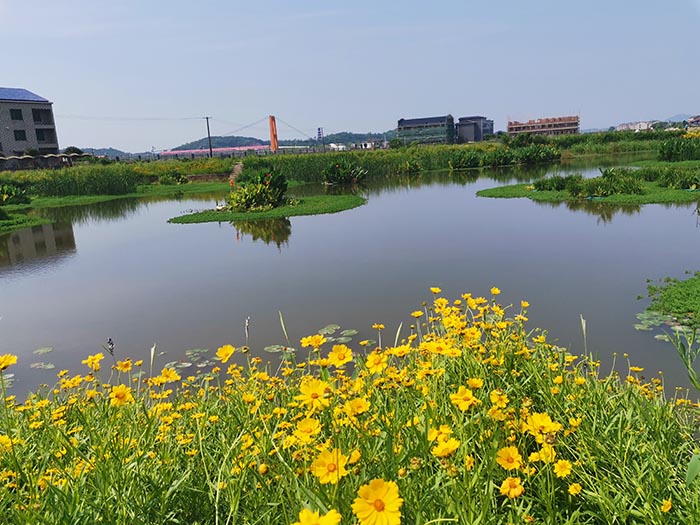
{"x": 269, "y": 231}
{"x": 114, "y": 209}
{"x": 40, "y": 242}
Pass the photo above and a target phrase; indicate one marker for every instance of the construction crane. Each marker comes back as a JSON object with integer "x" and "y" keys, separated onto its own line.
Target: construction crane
{"x": 274, "y": 145}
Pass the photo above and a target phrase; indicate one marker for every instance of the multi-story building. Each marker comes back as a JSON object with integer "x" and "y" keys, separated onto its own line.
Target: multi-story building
{"x": 26, "y": 122}
{"x": 473, "y": 129}
{"x": 546, "y": 126}
{"x": 427, "y": 130}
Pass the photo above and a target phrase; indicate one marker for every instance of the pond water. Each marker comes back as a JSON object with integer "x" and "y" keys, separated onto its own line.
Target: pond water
{"x": 119, "y": 270}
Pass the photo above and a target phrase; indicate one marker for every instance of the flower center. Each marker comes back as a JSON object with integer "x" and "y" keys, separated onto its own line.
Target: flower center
{"x": 314, "y": 395}
{"x": 331, "y": 467}
{"x": 379, "y": 505}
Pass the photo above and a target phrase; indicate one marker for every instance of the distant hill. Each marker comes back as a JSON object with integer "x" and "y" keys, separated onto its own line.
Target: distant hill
{"x": 222, "y": 142}
{"x": 678, "y": 118}
{"x": 108, "y": 152}
{"x": 344, "y": 137}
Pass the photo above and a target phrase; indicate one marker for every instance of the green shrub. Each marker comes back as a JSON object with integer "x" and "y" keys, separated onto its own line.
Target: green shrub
{"x": 86, "y": 179}
{"x": 536, "y": 154}
{"x": 678, "y": 149}
{"x": 465, "y": 159}
{"x": 168, "y": 179}
{"x": 13, "y": 194}
{"x": 612, "y": 181}
{"x": 344, "y": 171}
{"x": 258, "y": 191}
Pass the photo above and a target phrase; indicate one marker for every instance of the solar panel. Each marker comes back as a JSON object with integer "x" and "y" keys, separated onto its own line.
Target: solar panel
{"x": 20, "y": 95}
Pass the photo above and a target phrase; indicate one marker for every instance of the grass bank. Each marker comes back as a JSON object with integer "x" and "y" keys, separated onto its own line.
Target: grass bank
{"x": 467, "y": 417}
{"x": 310, "y": 205}
{"x": 653, "y": 194}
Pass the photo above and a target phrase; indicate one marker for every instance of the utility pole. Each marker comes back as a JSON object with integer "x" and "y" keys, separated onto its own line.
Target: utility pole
{"x": 211, "y": 153}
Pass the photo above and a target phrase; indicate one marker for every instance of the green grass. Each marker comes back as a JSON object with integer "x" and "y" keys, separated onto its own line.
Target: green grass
{"x": 313, "y": 205}
{"x": 665, "y": 164}
{"x": 653, "y": 194}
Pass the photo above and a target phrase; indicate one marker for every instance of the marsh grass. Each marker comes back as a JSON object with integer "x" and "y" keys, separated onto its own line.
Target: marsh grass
{"x": 465, "y": 386}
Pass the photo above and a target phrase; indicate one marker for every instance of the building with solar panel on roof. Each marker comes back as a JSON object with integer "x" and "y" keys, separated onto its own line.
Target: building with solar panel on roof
{"x": 426, "y": 130}
{"x": 26, "y": 122}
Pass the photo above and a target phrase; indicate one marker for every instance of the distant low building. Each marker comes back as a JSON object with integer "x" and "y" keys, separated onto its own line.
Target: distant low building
{"x": 550, "y": 126}
{"x": 636, "y": 126}
{"x": 694, "y": 122}
{"x": 473, "y": 129}
{"x": 26, "y": 122}
{"x": 427, "y": 130}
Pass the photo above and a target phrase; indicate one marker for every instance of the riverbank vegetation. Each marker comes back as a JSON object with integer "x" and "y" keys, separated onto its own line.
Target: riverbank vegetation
{"x": 616, "y": 185}
{"x": 675, "y": 306}
{"x": 398, "y": 162}
{"x": 468, "y": 416}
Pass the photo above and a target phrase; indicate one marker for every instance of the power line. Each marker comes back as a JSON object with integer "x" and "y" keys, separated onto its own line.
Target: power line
{"x": 295, "y": 129}
{"x": 127, "y": 119}
{"x": 245, "y": 127}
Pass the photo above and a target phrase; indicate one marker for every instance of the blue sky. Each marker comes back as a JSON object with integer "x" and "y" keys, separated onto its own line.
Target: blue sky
{"x": 359, "y": 66}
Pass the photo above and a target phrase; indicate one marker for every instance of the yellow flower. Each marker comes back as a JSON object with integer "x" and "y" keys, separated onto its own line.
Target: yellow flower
{"x": 524, "y": 304}
{"x": 307, "y": 429}
{"x": 416, "y": 314}
{"x": 574, "y": 489}
{"x": 93, "y": 361}
{"x": 7, "y": 360}
{"x": 309, "y": 517}
{"x": 376, "y": 362}
{"x": 495, "y": 291}
{"x": 538, "y": 425}
{"x": 469, "y": 462}
{"x": 170, "y": 375}
{"x": 355, "y": 456}
{"x": 464, "y": 399}
{"x": 441, "y": 434}
{"x": 512, "y": 488}
{"x": 445, "y": 448}
{"x": 329, "y": 466}
{"x": 123, "y": 366}
{"x": 315, "y": 341}
{"x": 509, "y": 458}
{"x": 475, "y": 382}
{"x": 120, "y": 395}
{"x": 357, "y": 406}
{"x": 498, "y": 398}
{"x": 666, "y": 505}
{"x": 339, "y": 355}
{"x": 378, "y": 326}
{"x": 562, "y": 468}
{"x": 225, "y": 352}
{"x": 378, "y": 503}
{"x": 435, "y": 290}
{"x": 313, "y": 393}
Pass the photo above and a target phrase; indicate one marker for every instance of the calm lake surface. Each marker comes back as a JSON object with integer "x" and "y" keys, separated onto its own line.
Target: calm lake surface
{"x": 119, "y": 270}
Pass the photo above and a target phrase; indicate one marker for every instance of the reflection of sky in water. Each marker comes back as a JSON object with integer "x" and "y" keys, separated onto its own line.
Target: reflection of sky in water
{"x": 140, "y": 280}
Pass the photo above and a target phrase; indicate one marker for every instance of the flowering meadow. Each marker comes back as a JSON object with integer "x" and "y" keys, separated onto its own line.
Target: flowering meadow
{"x": 471, "y": 418}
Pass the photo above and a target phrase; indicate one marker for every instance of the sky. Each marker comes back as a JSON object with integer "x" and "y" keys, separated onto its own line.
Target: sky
{"x": 140, "y": 75}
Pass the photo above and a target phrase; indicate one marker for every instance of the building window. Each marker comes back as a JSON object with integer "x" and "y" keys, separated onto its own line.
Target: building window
{"x": 20, "y": 135}
{"x": 16, "y": 114}
{"x": 40, "y": 135}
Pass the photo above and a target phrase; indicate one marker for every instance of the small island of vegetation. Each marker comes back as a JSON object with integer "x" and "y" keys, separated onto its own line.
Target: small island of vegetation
{"x": 674, "y": 178}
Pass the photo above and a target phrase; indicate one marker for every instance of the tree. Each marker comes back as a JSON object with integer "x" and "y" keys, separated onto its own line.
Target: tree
{"x": 73, "y": 149}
